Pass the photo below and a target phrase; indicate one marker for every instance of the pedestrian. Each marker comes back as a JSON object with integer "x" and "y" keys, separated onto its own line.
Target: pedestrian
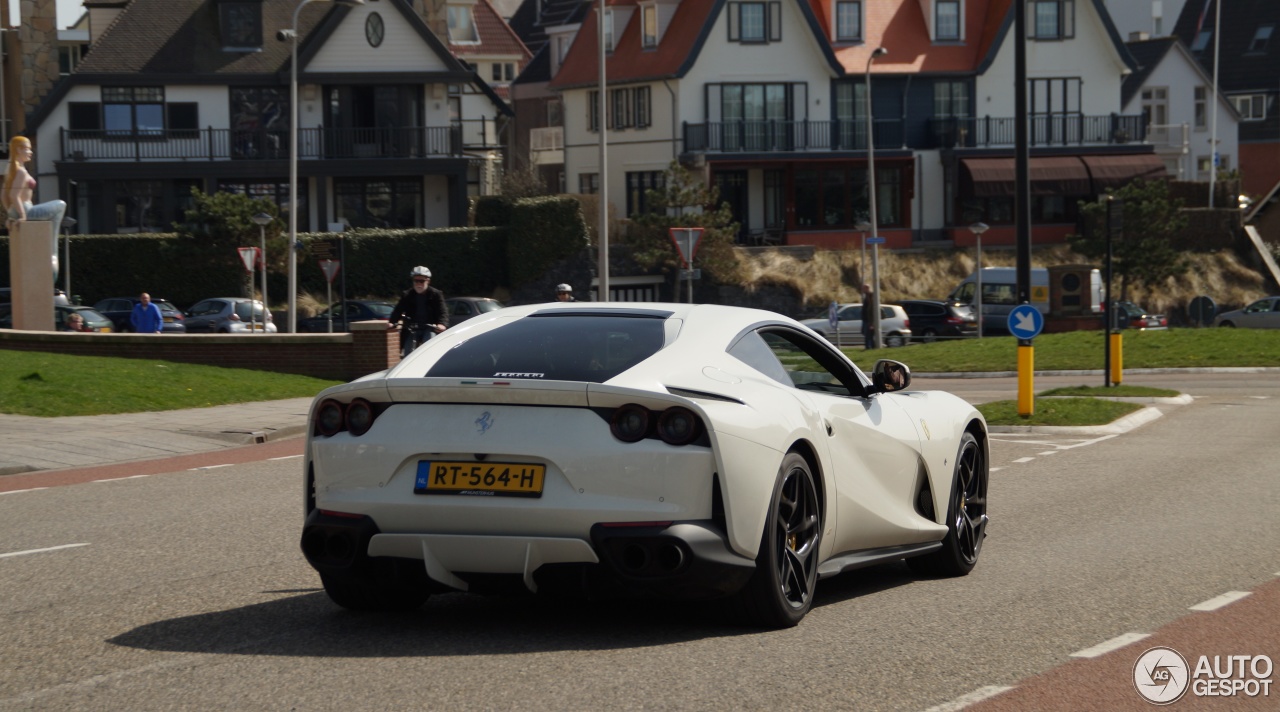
{"x": 423, "y": 311}
{"x": 870, "y": 306}
{"x": 564, "y": 293}
{"x": 146, "y": 317}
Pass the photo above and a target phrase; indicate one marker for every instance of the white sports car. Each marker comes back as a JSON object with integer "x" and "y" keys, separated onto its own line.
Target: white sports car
{"x": 694, "y": 451}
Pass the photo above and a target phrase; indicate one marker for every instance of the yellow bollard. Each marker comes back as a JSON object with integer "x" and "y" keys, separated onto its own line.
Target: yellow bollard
{"x": 1026, "y": 380}
{"x": 1117, "y": 358}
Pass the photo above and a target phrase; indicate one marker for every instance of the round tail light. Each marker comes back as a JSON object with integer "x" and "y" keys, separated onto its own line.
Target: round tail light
{"x": 329, "y": 418}
{"x": 679, "y": 426}
{"x": 630, "y": 423}
{"x": 359, "y": 417}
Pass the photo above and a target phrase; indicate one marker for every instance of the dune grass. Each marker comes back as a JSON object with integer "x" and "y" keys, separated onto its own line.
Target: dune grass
{"x": 51, "y": 385}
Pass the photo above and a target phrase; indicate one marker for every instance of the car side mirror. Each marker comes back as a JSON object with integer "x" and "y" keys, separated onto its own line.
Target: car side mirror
{"x": 890, "y": 376}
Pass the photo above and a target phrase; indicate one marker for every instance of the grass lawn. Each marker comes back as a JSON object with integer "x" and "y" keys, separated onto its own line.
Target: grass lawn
{"x": 1120, "y": 391}
{"x": 1058, "y": 411}
{"x": 46, "y": 384}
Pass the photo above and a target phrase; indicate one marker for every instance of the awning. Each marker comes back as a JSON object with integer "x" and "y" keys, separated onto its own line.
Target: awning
{"x": 1050, "y": 175}
{"x": 1115, "y": 171}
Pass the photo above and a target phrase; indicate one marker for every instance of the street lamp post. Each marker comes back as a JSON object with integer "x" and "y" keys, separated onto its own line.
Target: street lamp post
{"x": 977, "y": 229}
{"x": 262, "y": 220}
{"x": 295, "y": 115}
{"x": 864, "y": 228}
{"x": 871, "y": 188}
{"x": 68, "y": 222}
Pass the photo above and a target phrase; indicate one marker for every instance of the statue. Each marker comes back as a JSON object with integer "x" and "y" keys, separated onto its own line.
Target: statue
{"x": 19, "y": 187}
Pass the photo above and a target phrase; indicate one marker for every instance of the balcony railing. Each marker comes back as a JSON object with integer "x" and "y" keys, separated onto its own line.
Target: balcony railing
{"x": 851, "y": 135}
{"x": 240, "y": 145}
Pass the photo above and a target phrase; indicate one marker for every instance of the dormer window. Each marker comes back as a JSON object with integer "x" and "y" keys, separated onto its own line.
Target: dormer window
{"x": 1051, "y": 19}
{"x": 1201, "y": 41}
{"x": 849, "y": 21}
{"x": 240, "y": 24}
{"x": 649, "y": 26}
{"x": 462, "y": 27}
{"x": 946, "y": 20}
{"x": 608, "y": 29}
{"x": 755, "y": 22}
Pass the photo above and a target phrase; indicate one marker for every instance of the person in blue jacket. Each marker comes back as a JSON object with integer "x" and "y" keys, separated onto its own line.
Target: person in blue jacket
{"x": 146, "y": 317}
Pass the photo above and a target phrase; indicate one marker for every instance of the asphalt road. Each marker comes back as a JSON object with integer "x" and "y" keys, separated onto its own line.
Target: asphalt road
{"x": 186, "y": 590}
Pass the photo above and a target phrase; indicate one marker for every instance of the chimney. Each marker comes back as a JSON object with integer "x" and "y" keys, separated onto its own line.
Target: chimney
{"x": 1139, "y": 36}
{"x": 38, "y": 34}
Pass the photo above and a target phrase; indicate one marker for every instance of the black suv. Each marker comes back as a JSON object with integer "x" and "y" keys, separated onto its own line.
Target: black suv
{"x": 933, "y": 319}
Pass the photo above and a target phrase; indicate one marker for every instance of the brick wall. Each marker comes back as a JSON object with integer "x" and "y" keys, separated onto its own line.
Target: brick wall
{"x": 367, "y": 349}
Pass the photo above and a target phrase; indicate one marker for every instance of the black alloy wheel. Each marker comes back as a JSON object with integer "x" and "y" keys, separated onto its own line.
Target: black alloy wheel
{"x": 966, "y": 516}
{"x": 780, "y": 592}
{"x": 930, "y": 335}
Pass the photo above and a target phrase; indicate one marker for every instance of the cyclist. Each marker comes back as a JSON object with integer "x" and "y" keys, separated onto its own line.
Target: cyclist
{"x": 422, "y": 310}
{"x": 564, "y": 293}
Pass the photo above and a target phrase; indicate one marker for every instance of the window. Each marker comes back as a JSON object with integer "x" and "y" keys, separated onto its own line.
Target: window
{"x": 589, "y": 183}
{"x": 503, "y": 71}
{"x": 832, "y": 197}
{"x": 649, "y": 26}
{"x": 849, "y": 21}
{"x": 259, "y": 122}
{"x": 555, "y": 112}
{"x": 946, "y": 24}
{"x": 462, "y": 28}
{"x": 628, "y": 108}
{"x": 276, "y": 190}
{"x": 950, "y": 99}
{"x": 620, "y": 115}
{"x": 593, "y": 111}
{"x": 1052, "y": 19}
{"x": 638, "y": 184}
{"x": 374, "y": 202}
{"x": 1251, "y": 107}
{"x": 755, "y": 22}
{"x": 1202, "y": 107}
{"x": 84, "y": 116}
{"x": 241, "y": 24}
{"x": 1260, "y": 39}
{"x": 69, "y": 56}
{"x": 183, "y": 119}
{"x": 133, "y": 111}
{"x": 643, "y": 111}
{"x": 1155, "y": 104}
{"x": 1201, "y": 41}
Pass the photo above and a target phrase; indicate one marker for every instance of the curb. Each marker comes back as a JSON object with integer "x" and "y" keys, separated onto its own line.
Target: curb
{"x": 249, "y": 437}
{"x": 1180, "y": 399}
{"x": 1116, "y": 427}
{"x": 1094, "y": 372}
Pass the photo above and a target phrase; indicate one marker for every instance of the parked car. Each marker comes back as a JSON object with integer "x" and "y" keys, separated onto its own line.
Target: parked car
{"x": 894, "y": 324}
{"x": 690, "y": 438}
{"x": 1132, "y": 316}
{"x": 93, "y": 321}
{"x": 933, "y": 319}
{"x": 356, "y": 310}
{"x": 463, "y": 308}
{"x": 228, "y": 315}
{"x": 59, "y": 296}
{"x": 1262, "y": 314}
{"x": 118, "y": 310}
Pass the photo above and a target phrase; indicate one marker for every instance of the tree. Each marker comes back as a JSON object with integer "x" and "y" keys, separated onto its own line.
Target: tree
{"x": 684, "y": 200}
{"x": 221, "y": 222}
{"x": 1143, "y": 251}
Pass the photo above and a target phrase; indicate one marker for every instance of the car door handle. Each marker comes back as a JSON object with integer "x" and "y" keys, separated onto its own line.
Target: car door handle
{"x": 829, "y": 428}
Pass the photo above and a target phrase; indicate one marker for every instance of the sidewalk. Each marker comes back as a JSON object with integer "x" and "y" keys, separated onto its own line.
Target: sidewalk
{"x": 28, "y": 444}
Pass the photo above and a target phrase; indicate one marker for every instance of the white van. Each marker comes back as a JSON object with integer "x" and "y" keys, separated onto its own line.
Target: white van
{"x": 1000, "y": 294}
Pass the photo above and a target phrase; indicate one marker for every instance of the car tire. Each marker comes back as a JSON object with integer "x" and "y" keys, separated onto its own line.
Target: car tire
{"x": 966, "y": 516}
{"x": 383, "y": 585}
{"x": 780, "y": 592}
{"x": 929, "y": 336}
{"x": 1228, "y": 323}
{"x": 895, "y": 340}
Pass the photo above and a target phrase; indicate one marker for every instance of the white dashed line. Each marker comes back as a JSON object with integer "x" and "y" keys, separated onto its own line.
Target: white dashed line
{"x": 977, "y": 695}
{"x": 1023, "y": 459}
{"x": 997, "y": 469}
{"x": 40, "y": 551}
{"x": 37, "y": 489}
{"x": 117, "y": 479}
{"x": 1217, "y": 602}
{"x": 1114, "y": 644}
{"x": 286, "y": 457}
{"x": 210, "y": 467}
{"x": 1050, "y": 452}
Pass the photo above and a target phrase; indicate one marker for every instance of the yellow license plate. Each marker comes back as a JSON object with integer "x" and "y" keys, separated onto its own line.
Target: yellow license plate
{"x": 479, "y": 479}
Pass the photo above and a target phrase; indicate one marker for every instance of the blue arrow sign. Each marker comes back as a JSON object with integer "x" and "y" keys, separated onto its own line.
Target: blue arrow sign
{"x": 1025, "y": 321}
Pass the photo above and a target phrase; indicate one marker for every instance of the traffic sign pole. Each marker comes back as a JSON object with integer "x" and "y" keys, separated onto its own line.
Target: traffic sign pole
{"x": 686, "y": 240}
{"x": 1026, "y": 322}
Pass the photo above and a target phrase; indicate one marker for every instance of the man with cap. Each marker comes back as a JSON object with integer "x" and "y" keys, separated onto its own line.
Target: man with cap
{"x": 423, "y": 311}
{"x": 564, "y": 293}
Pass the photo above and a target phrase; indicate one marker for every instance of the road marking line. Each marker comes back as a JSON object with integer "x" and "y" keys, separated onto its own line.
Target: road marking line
{"x": 40, "y": 551}
{"x": 37, "y": 489}
{"x": 1024, "y": 459}
{"x": 286, "y": 457}
{"x": 997, "y": 469}
{"x": 1114, "y": 644}
{"x": 977, "y": 695}
{"x": 117, "y": 479}
{"x": 1050, "y": 452}
{"x": 1217, "y": 602}
{"x": 210, "y": 467}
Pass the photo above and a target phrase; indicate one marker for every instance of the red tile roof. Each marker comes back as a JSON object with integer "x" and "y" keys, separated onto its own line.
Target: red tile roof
{"x": 496, "y": 36}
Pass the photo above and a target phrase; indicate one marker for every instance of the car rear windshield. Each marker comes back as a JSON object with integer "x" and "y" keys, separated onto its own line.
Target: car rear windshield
{"x": 380, "y": 309}
{"x": 245, "y": 310}
{"x": 555, "y": 348}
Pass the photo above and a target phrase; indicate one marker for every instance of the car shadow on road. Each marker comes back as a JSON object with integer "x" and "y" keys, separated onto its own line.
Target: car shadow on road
{"x": 304, "y": 622}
